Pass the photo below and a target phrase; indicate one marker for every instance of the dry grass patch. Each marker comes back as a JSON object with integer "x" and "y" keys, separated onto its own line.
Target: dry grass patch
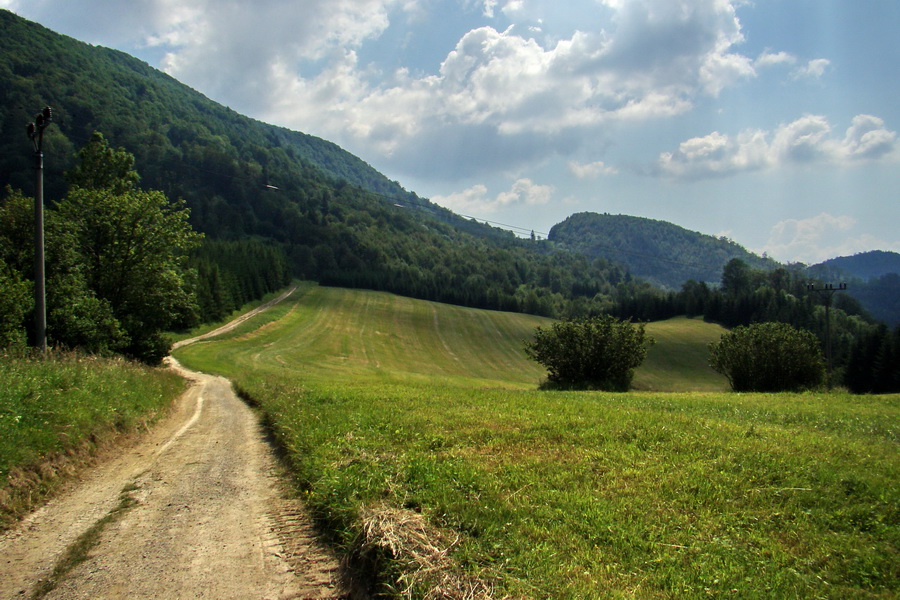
{"x": 423, "y": 553}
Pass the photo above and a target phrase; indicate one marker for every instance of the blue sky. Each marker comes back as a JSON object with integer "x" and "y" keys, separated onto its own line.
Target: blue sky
{"x": 772, "y": 122}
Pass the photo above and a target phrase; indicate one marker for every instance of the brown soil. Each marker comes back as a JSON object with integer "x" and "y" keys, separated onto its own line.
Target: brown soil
{"x": 207, "y": 518}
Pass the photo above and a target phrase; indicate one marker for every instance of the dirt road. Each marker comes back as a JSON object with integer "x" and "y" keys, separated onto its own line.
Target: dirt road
{"x": 195, "y": 510}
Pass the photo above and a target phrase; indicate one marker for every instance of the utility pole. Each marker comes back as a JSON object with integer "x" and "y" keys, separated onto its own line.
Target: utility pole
{"x": 828, "y": 291}
{"x": 36, "y": 135}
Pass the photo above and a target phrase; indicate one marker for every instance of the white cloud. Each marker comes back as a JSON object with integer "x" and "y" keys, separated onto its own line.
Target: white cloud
{"x": 472, "y": 199}
{"x": 500, "y": 87}
{"x": 803, "y": 140}
{"x": 513, "y": 6}
{"x": 523, "y": 192}
{"x": 819, "y": 238}
{"x": 809, "y": 139}
{"x": 814, "y": 69}
{"x": 769, "y": 59}
{"x": 867, "y": 138}
{"x": 229, "y": 48}
{"x": 591, "y": 170}
{"x": 498, "y": 98}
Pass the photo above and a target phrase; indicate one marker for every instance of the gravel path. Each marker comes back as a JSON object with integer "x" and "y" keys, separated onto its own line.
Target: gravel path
{"x": 205, "y": 517}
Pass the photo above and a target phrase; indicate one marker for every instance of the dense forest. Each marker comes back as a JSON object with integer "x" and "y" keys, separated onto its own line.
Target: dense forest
{"x": 669, "y": 256}
{"x": 873, "y": 278}
{"x": 864, "y": 266}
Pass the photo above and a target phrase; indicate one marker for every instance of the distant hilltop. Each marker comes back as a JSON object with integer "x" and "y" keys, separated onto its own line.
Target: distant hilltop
{"x": 658, "y": 251}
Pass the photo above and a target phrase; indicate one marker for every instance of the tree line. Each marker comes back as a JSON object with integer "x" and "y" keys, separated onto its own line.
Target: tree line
{"x": 865, "y": 352}
{"x": 123, "y": 265}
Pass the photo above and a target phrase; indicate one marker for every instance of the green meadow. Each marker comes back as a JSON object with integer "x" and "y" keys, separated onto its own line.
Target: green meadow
{"x": 399, "y": 415}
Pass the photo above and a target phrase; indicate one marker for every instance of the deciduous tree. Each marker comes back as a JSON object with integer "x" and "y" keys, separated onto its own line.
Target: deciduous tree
{"x": 769, "y": 357}
{"x": 133, "y": 245}
{"x": 595, "y": 353}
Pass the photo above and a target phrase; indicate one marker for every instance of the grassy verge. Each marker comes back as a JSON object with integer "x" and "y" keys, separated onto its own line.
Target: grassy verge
{"x": 412, "y": 421}
{"x": 55, "y": 412}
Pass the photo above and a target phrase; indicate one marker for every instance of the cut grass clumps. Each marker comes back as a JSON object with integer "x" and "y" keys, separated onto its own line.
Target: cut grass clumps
{"x": 387, "y": 411}
{"x": 416, "y": 556}
{"x": 56, "y": 412}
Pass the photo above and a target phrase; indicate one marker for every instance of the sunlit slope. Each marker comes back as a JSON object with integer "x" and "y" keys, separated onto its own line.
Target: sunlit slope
{"x": 679, "y": 361}
{"x": 340, "y": 333}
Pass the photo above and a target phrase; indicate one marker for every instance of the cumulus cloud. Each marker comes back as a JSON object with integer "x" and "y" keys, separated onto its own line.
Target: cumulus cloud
{"x": 809, "y": 139}
{"x": 591, "y": 170}
{"x": 524, "y": 192}
{"x": 515, "y": 93}
{"x": 816, "y": 239}
{"x": 867, "y": 138}
{"x": 655, "y": 59}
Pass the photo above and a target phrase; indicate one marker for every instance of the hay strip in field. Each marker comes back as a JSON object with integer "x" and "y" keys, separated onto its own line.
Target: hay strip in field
{"x": 423, "y": 554}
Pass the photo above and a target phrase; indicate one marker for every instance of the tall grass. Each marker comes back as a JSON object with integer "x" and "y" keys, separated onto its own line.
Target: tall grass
{"x": 60, "y": 407}
{"x": 390, "y": 404}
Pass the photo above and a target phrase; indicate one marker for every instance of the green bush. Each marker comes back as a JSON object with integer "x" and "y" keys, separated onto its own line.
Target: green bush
{"x": 596, "y": 353}
{"x": 769, "y": 357}
{"x": 15, "y": 303}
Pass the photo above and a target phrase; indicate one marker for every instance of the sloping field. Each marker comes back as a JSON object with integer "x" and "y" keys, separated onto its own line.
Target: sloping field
{"x": 679, "y": 361}
{"x": 416, "y": 432}
{"x": 336, "y": 332}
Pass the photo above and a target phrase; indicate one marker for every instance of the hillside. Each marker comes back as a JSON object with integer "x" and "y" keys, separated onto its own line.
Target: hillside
{"x": 399, "y": 415}
{"x": 873, "y": 279}
{"x": 658, "y": 251}
{"x": 338, "y": 220}
{"x": 864, "y": 265}
{"x": 345, "y": 334}
{"x": 145, "y": 110}
{"x": 181, "y": 138}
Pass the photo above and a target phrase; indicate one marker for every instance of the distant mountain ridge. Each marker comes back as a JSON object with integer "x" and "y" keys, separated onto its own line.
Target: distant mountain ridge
{"x": 864, "y": 265}
{"x": 658, "y": 251}
{"x": 873, "y": 278}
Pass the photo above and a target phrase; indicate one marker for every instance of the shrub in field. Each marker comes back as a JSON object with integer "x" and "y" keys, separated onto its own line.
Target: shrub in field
{"x": 596, "y": 353}
{"x": 769, "y": 357}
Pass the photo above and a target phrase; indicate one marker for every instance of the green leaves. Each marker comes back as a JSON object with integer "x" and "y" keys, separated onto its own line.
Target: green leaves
{"x": 101, "y": 167}
{"x": 116, "y": 260}
{"x": 595, "y": 353}
{"x": 769, "y": 357}
{"x": 134, "y": 245}
{"x": 15, "y": 303}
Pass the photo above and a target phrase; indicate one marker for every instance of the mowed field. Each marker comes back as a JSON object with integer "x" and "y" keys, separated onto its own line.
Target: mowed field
{"x": 335, "y": 333}
{"x": 402, "y": 416}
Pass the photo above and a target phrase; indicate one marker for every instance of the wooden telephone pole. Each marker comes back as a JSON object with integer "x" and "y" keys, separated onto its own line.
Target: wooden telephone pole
{"x": 35, "y": 132}
{"x": 827, "y": 290}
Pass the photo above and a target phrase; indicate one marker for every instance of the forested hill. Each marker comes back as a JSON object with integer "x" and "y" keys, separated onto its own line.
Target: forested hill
{"x": 337, "y": 219}
{"x": 180, "y": 138}
{"x": 659, "y": 251}
{"x": 865, "y": 266}
{"x": 873, "y": 279}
